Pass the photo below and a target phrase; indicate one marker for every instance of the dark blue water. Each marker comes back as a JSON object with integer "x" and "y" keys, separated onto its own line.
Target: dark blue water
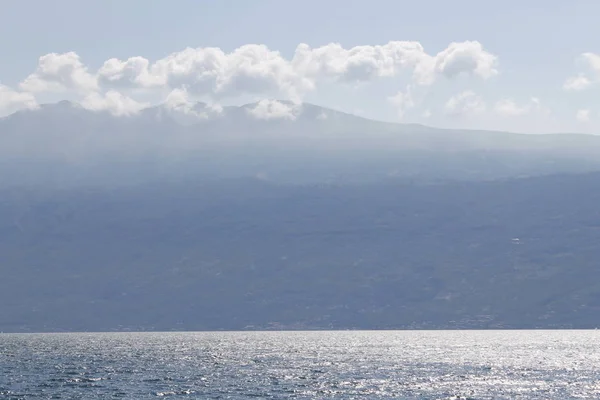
{"x": 302, "y": 365}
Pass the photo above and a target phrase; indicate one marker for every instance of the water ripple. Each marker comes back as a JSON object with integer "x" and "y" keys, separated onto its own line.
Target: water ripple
{"x": 303, "y": 365}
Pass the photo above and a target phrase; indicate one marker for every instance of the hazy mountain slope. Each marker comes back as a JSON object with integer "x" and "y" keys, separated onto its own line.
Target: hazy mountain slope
{"x": 207, "y": 220}
{"x": 228, "y": 255}
{"x": 64, "y": 144}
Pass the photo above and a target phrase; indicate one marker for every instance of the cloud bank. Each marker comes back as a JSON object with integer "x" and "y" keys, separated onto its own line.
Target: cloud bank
{"x": 250, "y": 70}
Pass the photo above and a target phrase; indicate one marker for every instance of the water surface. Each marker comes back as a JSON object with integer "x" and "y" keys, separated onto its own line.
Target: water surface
{"x": 302, "y": 365}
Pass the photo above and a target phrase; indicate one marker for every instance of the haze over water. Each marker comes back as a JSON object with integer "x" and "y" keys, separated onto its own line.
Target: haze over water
{"x": 302, "y": 365}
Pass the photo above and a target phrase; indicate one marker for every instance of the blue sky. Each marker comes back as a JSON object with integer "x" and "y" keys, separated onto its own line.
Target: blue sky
{"x": 522, "y": 66}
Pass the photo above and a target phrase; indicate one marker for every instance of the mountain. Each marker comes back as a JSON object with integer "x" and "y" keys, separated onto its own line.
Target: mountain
{"x": 276, "y": 215}
{"x": 249, "y": 254}
{"x": 65, "y": 144}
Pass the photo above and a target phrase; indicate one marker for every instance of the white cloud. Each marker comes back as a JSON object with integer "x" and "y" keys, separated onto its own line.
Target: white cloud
{"x": 113, "y": 102}
{"x": 179, "y": 100}
{"x": 464, "y": 104}
{"x": 364, "y": 63}
{"x": 132, "y": 72}
{"x": 60, "y": 72}
{"x": 582, "y": 81}
{"x": 466, "y": 58}
{"x": 250, "y": 69}
{"x": 273, "y": 109}
{"x": 426, "y": 114}
{"x": 402, "y": 101}
{"x": 254, "y": 69}
{"x": 11, "y": 100}
{"x": 509, "y": 108}
{"x": 583, "y": 115}
{"x": 359, "y": 63}
{"x": 577, "y": 83}
{"x": 215, "y": 108}
{"x": 593, "y": 61}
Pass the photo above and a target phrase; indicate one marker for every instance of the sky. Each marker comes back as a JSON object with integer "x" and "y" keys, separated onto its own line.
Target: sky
{"x": 529, "y": 67}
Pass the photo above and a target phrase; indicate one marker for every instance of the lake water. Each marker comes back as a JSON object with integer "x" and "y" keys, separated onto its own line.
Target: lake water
{"x": 302, "y": 365}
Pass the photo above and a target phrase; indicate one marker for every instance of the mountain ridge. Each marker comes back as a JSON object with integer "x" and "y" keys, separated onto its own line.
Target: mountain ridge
{"x": 67, "y": 104}
{"x": 65, "y": 144}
